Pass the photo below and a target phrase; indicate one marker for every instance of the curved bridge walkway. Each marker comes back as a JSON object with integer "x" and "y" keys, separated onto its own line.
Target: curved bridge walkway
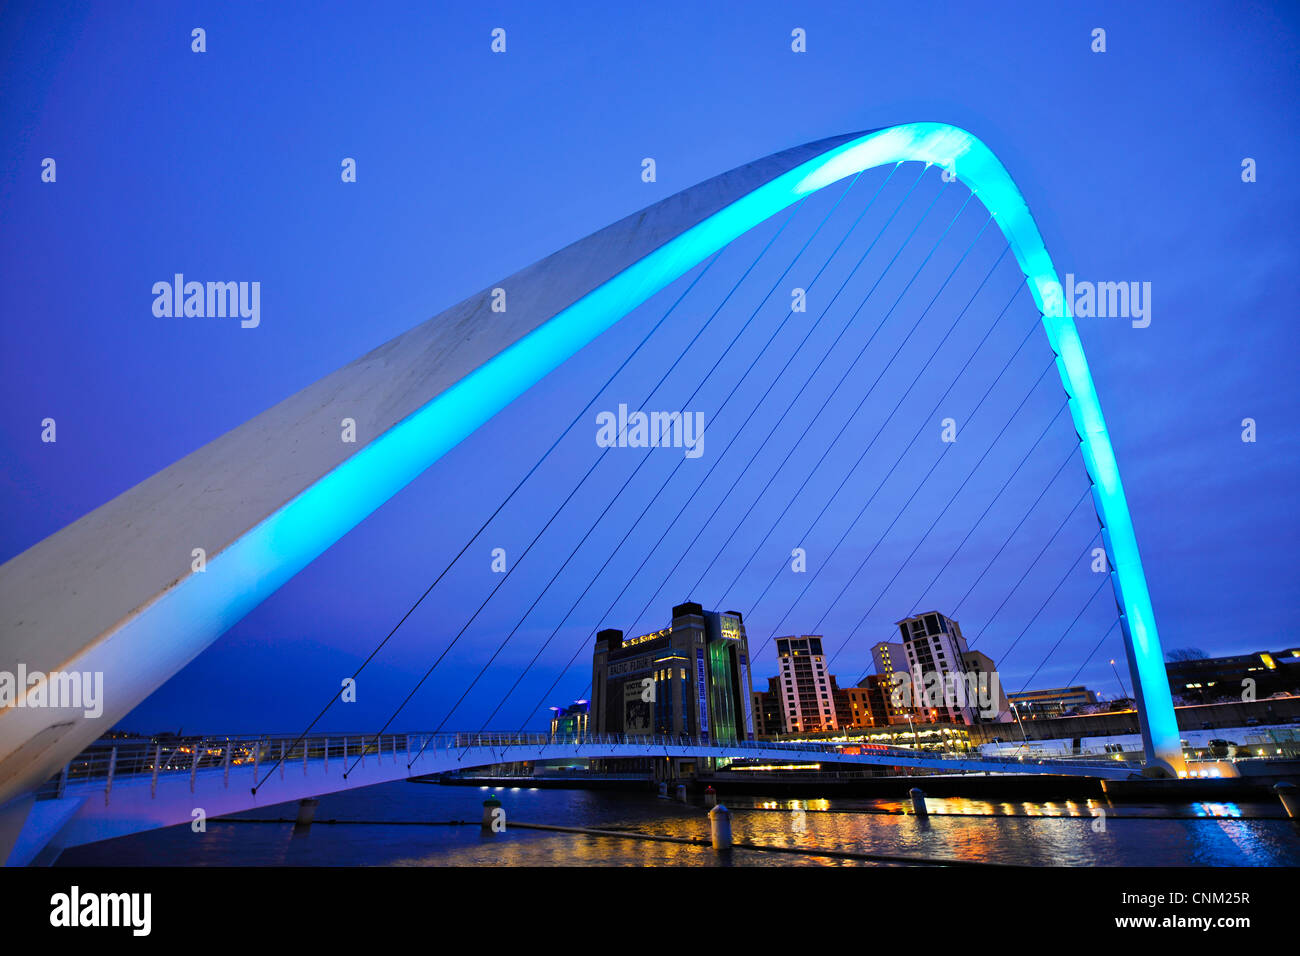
{"x": 114, "y": 791}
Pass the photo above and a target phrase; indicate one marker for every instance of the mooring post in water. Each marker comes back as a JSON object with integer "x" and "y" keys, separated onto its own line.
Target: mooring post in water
{"x": 306, "y": 813}
{"x": 720, "y": 825}
{"x": 491, "y": 806}
{"x": 918, "y": 802}
{"x": 710, "y": 796}
{"x": 1286, "y": 793}
{"x": 681, "y": 792}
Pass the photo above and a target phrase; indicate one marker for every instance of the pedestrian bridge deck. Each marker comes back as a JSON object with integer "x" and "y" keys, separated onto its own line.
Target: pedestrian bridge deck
{"x": 110, "y": 791}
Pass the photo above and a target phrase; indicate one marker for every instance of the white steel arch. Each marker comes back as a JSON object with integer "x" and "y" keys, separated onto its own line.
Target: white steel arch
{"x": 113, "y": 592}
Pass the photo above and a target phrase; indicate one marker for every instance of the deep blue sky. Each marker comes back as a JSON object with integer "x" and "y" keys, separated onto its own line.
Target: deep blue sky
{"x": 225, "y": 165}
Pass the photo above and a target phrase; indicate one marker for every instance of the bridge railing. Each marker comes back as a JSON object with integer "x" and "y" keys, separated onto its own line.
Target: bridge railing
{"x": 110, "y": 760}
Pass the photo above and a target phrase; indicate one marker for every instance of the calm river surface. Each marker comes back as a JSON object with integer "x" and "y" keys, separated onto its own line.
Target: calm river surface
{"x": 403, "y": 824}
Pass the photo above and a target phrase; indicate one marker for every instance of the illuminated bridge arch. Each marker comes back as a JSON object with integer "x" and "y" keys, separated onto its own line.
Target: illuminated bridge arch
{"x": 114, "y": 592}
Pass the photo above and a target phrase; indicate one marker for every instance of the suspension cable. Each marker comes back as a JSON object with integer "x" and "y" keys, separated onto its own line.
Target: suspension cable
{"x": 939, "y": 516}
{"x": 635, "y": 471}
{"x": 888, "y": 475}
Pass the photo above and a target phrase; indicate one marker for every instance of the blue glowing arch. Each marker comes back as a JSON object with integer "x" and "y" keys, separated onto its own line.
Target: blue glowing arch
{"x": 181, "y": 616}
{"x": 414, "y": 444}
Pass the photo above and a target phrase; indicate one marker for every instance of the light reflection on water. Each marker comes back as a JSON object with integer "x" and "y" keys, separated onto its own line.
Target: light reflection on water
{"x": 1072, "y": 833}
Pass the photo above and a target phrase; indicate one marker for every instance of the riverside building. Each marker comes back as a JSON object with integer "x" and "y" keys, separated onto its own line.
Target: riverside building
{"x": 806, "y": 698}
{"x": 946, "y": 676}
{"x": 690, "y": 679}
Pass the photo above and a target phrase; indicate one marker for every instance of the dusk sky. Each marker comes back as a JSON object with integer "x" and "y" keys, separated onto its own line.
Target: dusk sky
{"x": 225, "y": 165}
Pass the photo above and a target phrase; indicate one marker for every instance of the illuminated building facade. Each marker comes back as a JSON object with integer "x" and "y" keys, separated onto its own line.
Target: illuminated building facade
{"x": 1052, "y": 702}
{"x": 892, "y": 669}
{"x": 806, "y": 699}
{"x": 690, "y": 679}
{"x": 982, "y": 673}
{"x": 572, "y": 721}
{"x": 946, "y": 678}
{"x": 852, "y": 706}
{"x": 889, "y": 658}
{"x": 791, "y": 699}
{"x": 1212, "y": 679}
{"x": 934, "y": 646}
{"x": 867, "y": 705}
{"x": 769, "y": 715}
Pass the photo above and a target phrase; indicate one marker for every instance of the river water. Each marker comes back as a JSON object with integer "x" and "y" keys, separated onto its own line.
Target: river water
{"x": 406, "y": 824}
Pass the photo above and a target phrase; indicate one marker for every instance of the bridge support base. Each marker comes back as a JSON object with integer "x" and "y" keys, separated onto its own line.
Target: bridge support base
{"x": 493, "y": 817}
{"x": 1159, "y": 770}
{"x": 31, "y": 830}
{"x": 306, "y": 813}
{"x": 720, "y": 825}
{"x": 13, "y": 820}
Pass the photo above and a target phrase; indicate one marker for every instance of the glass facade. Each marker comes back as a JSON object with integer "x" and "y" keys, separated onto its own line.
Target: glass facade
{"x": 720, "y": 680}
{"x": 688, "y": 679}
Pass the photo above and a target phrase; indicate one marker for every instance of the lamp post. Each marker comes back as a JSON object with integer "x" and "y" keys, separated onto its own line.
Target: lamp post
{"x": 915, "y": 735}
{"x": 1016, "y": 710}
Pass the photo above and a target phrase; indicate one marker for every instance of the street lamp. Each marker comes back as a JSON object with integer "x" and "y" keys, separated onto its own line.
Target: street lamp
{"x": 915, "y": 735}
{"x": 1016, "y": 710}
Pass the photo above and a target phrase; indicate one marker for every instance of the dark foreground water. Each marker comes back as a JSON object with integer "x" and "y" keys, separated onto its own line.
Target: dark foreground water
{"x": 405, "y": 824}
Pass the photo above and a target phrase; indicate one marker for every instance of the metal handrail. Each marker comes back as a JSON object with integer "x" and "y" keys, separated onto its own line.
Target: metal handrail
{"x": 128, "y": 758}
